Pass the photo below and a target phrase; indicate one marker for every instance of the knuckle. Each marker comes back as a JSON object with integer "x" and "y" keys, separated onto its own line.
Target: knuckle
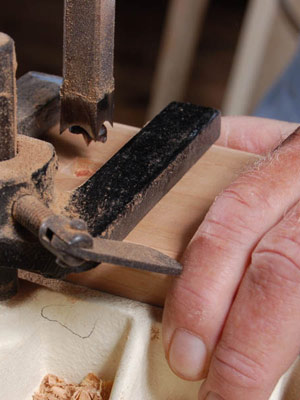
{"x": 237, "y": 195}
{"x": 249, "y": 191}
{"x": 224, "y": 230}
{"x": 275, "y": 266}
{"x": 237, "y": 369}
{"x": 194, "y": 308}
{"x": 235, "y": 213}
{"x": 189, "y": 300}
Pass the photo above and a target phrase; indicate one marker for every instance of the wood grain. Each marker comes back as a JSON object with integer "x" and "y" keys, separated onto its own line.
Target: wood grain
{"x": 168, "y": 227}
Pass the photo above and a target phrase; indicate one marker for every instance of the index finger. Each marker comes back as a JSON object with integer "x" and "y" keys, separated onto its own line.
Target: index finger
{"x": 253, "y": 134}
{"x": 215, "y": 261}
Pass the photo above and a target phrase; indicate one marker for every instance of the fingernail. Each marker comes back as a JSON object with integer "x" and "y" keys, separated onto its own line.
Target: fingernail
{"x": 213, "y": 396}
{"x": 187, "y": 355}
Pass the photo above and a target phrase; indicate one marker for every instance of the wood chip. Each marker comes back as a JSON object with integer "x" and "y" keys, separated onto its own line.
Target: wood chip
{"x": 90, "y": 388}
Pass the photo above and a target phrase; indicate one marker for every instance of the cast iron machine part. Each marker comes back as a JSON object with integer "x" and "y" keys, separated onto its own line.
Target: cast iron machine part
{"x": 87, "y": 94}
{"x": 107, "y": 206}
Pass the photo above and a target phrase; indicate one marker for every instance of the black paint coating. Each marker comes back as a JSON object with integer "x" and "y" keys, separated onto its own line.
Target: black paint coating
{"x": 117, "y": 197}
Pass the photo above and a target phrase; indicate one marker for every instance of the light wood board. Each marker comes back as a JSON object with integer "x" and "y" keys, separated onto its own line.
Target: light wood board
{"x": 168, "y": 227}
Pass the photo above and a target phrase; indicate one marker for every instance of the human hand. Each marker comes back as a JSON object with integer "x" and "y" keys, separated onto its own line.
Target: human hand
{"x": 233, "y": 316}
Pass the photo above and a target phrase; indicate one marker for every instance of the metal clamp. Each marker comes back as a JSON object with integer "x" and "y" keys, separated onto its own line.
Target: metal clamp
{"x": 73, "y": 246}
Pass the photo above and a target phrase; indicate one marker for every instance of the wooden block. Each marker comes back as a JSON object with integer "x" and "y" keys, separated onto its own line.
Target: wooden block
{"x": 168, "y": 227}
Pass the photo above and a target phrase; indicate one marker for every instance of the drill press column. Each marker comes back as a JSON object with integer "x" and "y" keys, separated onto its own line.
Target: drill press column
{"x": 8, "y": 122}
{"x": 8, "y": 135}
{"x": 27, "y": 166}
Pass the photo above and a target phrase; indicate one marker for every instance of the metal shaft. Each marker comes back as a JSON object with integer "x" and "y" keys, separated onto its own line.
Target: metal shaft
{"x": 88, "y": 86}
{"x": 8, "y": 98}
{"x": 30, "y": 213}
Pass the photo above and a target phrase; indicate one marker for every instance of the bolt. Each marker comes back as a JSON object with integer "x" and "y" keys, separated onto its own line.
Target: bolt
{"x": 30, "y": 213}
{"x": 8, "y": 98}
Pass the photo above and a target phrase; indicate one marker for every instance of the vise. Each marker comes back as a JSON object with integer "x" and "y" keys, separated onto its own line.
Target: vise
{"x": 36, "y": 233}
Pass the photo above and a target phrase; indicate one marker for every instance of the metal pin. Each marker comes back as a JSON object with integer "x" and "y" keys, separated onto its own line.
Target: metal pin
{"x": 8, "y": 98}
{"x": 88, "y": 87}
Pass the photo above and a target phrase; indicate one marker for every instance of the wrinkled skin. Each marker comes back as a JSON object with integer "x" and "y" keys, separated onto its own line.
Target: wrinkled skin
{"x": 233, "y": 317}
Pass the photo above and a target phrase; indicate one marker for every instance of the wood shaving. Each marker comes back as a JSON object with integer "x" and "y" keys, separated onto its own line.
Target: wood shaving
{"x": 90, "y": 388}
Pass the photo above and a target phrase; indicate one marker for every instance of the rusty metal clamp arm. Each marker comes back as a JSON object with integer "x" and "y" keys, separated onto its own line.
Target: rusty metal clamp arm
{"x": 124, "y": 254}
{"x": 58, "y": 234}
{"x": 73, "y": 246}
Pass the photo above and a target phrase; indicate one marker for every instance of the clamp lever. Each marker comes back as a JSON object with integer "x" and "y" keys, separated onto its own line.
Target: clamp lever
{"x": 69, "y": 240}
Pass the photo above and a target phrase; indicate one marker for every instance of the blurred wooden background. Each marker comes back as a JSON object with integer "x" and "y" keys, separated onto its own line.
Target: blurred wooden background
{"x": 36, "y": 26}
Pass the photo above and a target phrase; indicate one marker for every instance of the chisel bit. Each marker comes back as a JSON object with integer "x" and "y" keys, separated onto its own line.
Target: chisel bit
{"x": 8, "y": 98}
{"x": 88, "y": 87}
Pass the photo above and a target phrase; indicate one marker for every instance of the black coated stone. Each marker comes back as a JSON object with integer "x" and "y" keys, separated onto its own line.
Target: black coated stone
{"x": 115, "y": 199}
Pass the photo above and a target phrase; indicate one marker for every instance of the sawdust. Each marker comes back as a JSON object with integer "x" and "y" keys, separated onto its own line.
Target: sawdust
{"x": 83, "y": 167}
{"x": 60, "y": 200}
{"x": 31, "y": 170}
{"x": 55, "y": 285}
{"x": 69, "y": 177}
{"x": 32, "y": 154}
{"x": 90, "y": 388}
{"x": 155, "y": 333}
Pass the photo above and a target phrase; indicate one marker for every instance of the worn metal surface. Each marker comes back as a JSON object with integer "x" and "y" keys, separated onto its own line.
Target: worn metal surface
{"x": 8, "y": 121}
{"x": 127, "y": 255}
{"x": 118, "y": 195}
{"x": 38, "y": 103}
{"x": 30, "y": 172}
{"x": 88, "y": 86}
{"x": 28, "y": 211}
